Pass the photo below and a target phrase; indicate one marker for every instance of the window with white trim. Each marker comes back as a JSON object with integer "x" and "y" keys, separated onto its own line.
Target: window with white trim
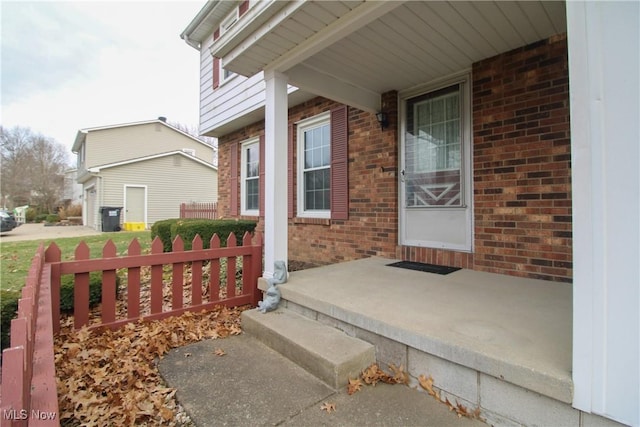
{"x": 314, "y": 166}
{"x": 250, "y": 177}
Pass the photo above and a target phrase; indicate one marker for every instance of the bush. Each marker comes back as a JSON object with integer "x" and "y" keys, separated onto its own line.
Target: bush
{"x": 51, "y": 218}
{"x": 30, "y": 215}
{"x": 8, "y": 310}
{"x": 71, "y": 210}
{"x": 162, "y": 229}
{"x": 95, "y": 290}
{"x": 40, "y": 217}
{"x": 206, "y": 228}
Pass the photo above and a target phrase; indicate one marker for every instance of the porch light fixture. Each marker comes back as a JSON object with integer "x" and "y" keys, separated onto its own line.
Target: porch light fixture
{"x": 382, "y": 119}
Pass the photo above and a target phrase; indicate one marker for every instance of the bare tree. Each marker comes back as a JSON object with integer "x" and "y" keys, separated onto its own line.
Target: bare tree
{"x": 32, "y": 168}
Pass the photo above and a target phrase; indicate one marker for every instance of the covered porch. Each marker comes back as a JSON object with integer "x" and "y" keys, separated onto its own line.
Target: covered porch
{"x": 492, "y": 341}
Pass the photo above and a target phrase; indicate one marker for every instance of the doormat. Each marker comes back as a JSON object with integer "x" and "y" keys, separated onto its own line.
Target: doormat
{"x": 429, "y": 268}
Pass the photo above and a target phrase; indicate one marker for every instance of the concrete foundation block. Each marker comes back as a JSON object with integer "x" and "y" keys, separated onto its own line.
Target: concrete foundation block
{"x": 387, "y": 351}
{"x": 524, "y": 406}
{"x": 451, "y": 377}
{"x": 593, "y": 420}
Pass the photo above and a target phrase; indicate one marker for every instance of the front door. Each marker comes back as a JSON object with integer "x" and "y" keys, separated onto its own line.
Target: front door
{"x": 90, "y": 200}
{"x": 135, "y": 204}
{"x": 435, "y": 177}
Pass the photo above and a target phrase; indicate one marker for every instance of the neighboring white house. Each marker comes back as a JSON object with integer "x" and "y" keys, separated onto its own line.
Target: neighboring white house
{"x": 273, "y": 72}
{"x": 146, "y": 169}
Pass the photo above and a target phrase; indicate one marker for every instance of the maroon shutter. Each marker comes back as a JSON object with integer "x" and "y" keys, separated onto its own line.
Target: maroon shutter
{"x": 339, "y": 163}
{"x": 216, "y": 72}
{"x": 244, "y": 6}
{"x": 261, "y": 176}
{"x": 290, "y": 170}
{"x": 233, "y": 179}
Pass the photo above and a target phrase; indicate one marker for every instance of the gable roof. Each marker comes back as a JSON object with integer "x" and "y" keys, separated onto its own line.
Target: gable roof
{"x": 97, "y": 169}
{"x": 82, "y": 133}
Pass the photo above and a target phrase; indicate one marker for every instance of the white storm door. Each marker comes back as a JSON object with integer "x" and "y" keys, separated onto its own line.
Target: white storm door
{"x": 135, "y": 204}
{"x": 435, "y": 177}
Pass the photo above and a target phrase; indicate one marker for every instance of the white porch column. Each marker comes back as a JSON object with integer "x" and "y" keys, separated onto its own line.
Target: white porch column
{"x": 604, "y": 66}
{"x": 275, "y": 157}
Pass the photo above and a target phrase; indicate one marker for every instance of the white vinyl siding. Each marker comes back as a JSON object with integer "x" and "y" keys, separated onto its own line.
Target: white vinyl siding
{"x": 165, "y": 192}
{"x": 116, "y": 144}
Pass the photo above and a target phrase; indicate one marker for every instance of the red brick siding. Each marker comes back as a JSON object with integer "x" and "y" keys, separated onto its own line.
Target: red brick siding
{"x": 522, "y": 162}
{"x": 522, "y": 187}
{"x": 371, "y": 228}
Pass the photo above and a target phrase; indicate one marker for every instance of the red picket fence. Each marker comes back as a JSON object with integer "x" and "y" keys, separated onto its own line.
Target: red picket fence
{"x": 199, "y": 210}
{"x": 29, "y": 395}
{"x": 178, "y": 259}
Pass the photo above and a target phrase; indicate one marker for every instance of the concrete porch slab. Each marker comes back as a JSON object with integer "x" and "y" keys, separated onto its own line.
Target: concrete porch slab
{"x": 515, "y": 329}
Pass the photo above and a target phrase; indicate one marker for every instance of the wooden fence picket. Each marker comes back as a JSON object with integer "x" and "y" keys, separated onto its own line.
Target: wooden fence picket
{"x": 109, "y": 285}
{"x": 53, "y": 255}
{"x": 214, "y": 271}
{"x": 196, "y": 273}
{"x": 81, "y": 290}
{"x": 133, "y": 283}
{"x": 177, "y": 282}
{"x": 156, "y": 278}
{"x": 231, "y": 267}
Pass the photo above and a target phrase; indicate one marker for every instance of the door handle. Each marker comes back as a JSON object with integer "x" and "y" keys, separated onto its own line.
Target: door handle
{"x": 402, "y": 175}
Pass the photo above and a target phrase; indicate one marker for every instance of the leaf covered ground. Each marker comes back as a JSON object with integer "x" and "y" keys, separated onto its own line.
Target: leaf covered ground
{"x": 110, "y": 377}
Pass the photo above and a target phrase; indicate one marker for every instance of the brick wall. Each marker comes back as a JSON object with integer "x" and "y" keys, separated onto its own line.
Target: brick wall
{"x": 522, "y": 187}
{"x": 372, "y": 225}
{"x": 522, "y": 162}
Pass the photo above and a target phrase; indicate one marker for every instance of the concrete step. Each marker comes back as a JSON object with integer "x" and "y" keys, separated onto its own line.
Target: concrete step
{"x": 329, "y": 354}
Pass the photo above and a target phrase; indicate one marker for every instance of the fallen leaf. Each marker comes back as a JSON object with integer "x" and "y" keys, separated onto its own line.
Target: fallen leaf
{"x": 399, "y": 374}
{"x": 113, "y": 378}
{"x": 373, "y": 374}
{"x": 328, "y": 407}
{"x": 354, "y": 386}
{"x": 219, "y": 352}
{"x": 427, "y": 384}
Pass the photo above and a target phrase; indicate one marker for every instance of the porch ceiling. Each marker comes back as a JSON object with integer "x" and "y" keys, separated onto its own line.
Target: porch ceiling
{"x": 353, "y": 51}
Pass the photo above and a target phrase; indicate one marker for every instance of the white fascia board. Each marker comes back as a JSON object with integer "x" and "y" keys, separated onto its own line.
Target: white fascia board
{"x": 81, "y": 136}
{"x": 196, "y": 24}
{"x": 97, "y": 169}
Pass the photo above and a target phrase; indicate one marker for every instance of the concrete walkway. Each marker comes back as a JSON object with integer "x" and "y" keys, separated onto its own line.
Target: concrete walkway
{"x": 46, "y": 233}
{"x": 252, "y": 385}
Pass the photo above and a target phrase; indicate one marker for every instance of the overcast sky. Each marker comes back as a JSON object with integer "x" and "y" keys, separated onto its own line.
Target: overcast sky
{"x": 72, "y": 65}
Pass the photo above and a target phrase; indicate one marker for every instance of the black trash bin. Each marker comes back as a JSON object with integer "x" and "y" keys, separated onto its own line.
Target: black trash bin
{"x": 110, "y": 218}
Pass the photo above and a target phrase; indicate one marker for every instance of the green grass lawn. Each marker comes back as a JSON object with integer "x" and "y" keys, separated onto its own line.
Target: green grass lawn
{"x": 15, "y": 257}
